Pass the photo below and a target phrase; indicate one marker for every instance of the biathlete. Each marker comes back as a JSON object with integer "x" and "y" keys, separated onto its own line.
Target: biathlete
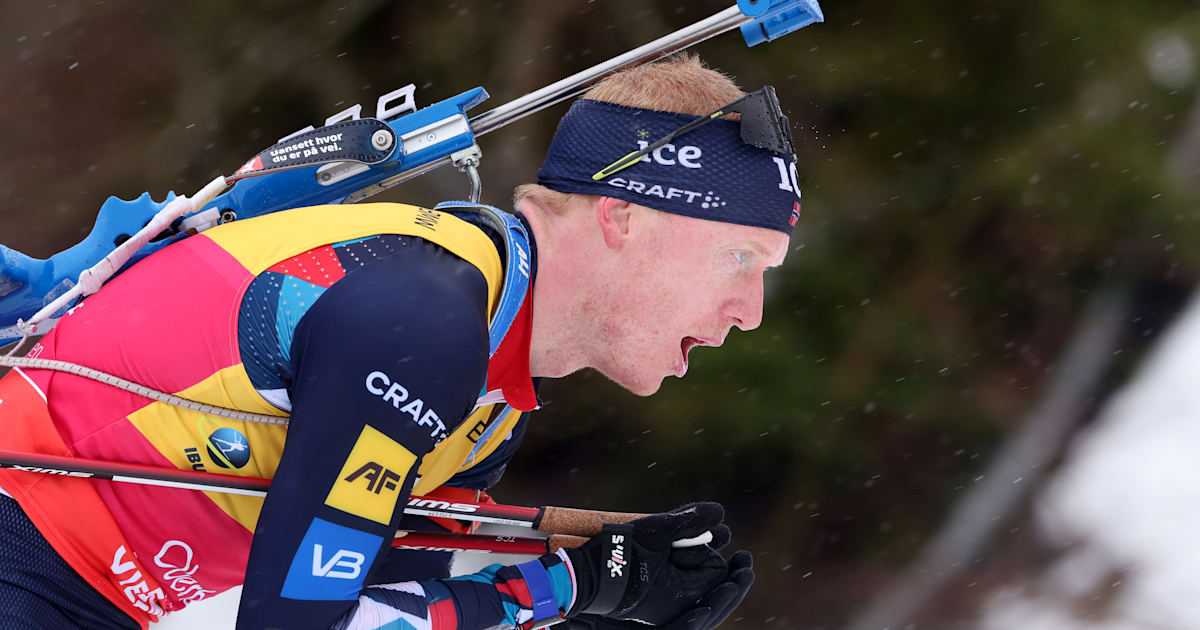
{"x": 374, "y": 328}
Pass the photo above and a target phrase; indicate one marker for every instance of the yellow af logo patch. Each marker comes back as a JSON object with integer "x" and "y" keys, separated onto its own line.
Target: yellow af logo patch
{"x": 372, "y": 476}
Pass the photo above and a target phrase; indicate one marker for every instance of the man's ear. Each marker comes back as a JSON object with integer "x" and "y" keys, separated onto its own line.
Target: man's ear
{"x": 615, "y": 217}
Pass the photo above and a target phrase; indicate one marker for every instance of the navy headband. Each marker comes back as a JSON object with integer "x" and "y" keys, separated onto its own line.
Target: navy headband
{"x": 707, "y": 173}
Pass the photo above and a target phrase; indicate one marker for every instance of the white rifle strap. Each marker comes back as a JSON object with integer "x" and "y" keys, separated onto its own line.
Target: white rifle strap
{"x": 140, "y": 390}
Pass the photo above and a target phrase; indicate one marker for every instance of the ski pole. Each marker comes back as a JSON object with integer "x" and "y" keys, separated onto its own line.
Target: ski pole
{"x": 488, "y": 543}
{"x": 445, "y": 541}
{"x": 549, "y": 519}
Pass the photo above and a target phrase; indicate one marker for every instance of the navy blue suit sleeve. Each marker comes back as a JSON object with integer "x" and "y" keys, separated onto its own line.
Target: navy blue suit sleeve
{"x": 385, "y": 362}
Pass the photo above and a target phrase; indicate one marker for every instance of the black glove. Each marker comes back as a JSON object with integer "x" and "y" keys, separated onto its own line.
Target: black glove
{"x": 630, "y": 571}
{"x": 712, "y": 610}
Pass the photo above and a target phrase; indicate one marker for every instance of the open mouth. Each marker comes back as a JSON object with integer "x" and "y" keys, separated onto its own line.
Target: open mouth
{"x": 686, "y": 346}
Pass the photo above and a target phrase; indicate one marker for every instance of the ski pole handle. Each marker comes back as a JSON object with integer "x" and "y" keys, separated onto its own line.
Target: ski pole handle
{"x": 588, "y": 523}
{"x": 577, "y": 522}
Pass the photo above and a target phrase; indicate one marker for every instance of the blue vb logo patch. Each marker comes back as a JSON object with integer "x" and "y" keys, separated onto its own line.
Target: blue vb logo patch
{"x": 331, "y": 563}
{"x": 228, "y": 448}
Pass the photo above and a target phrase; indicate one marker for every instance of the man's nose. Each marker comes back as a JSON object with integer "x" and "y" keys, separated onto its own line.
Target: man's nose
{"x": 746, "y": 309}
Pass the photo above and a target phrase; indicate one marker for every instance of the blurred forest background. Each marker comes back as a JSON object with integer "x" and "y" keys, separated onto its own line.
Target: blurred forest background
{"x": 982, "y": 180}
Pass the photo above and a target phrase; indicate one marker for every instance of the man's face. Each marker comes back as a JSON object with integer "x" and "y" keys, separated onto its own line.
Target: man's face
{"x": 684, "y": 282}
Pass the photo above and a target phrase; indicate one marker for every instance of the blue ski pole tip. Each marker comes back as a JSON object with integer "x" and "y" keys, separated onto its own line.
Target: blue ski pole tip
{"x": 775, "y": 18}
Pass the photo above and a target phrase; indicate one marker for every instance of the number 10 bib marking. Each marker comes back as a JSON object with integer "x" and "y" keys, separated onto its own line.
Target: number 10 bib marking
{"x": 787, "y": 176}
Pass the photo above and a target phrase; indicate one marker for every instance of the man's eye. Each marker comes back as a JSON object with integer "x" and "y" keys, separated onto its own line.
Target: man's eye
{"x": 740, "y": 256}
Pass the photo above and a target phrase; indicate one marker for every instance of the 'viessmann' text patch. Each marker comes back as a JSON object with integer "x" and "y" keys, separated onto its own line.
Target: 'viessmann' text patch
{"x": 370, "y": 481}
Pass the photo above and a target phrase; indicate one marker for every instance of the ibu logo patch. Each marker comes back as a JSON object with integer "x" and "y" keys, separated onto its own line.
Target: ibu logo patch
{"x": 331, "y": 563}
{"x": 228, "y": 448}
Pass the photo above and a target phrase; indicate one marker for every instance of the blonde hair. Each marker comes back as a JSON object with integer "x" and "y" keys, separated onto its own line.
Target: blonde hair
{"x": 681, "y": 84}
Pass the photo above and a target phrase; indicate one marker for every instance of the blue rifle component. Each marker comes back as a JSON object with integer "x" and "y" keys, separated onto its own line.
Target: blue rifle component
{"x": 303, "y": 187}
{"x": 775, "y": 18}
{"x": 27, "y": 284}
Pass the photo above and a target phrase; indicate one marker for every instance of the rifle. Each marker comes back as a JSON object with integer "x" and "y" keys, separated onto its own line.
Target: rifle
{"x": 346, "y": 160}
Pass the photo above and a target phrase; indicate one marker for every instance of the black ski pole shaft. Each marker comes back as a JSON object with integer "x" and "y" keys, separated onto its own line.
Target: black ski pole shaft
{"x": 549, "y": 519}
